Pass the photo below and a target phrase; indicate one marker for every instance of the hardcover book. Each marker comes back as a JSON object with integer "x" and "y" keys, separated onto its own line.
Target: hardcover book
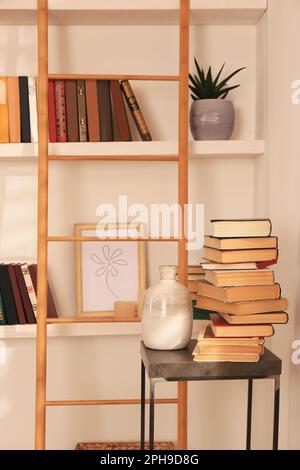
{"x": 121, "y": 130}
{"x": 8, "y": 296}
{"x": 82, "y": 120}
{"x": 241, "y": 228}
{"x": 52, "y": 111}
{"x": 24, "y": 110}
{"x": 4, "y": 127}
{"x": 135, "y": 111}
{"x": 72, "y": 110}
{"x": 14, "y": 118}
{"x": 32, "y": 96}
{"x": 92, "y": 110}
{"x": 60, "y": 111}
{"x": 105, "y": 111}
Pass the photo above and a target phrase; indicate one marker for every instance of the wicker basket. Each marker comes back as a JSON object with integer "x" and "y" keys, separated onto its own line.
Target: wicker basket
{"x": 122, "y": 446}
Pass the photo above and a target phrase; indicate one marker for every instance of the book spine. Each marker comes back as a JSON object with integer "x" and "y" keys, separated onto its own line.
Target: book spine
{"x": 105, "y": 112}
{"x": 2, "y": 313}
{"x": 14, "y": 117}
{"x": 24, "y": 295}
{"x": 51, "y": 110}
{"x": 121, "y": 130}
{"x": 8, "y": 296}
{"x": 24, "y": 110}
{"x": 60, "y": 111}
{"x": 92, "y": 110}
{"x": 135, "y": 111}
{"x": 4, "y": 126}
{"x": 30, "y": 288}
{"x": 72, "y": 111}
{"x": 32, "y": 97}
{"x": 17, "y": 295}
{"x": 51, "y": 308}
{"x": 82, "y": 111}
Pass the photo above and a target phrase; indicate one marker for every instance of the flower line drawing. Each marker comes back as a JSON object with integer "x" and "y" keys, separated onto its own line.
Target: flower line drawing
{"x": 109, "y": 261}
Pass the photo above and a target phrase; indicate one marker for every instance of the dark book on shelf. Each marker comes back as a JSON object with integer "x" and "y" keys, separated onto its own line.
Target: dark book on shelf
{"x": 121, "y": 129}
{"x": 82, "y": 120}
{"x": 135, "y": 111}
{"x": 105, "y": 111}
{"x": 17, "y": 295}
{"x": 60, "y": 111}
{"x": 8, "y": 296}
{"x": 51, "y": 308}
{"x": 24, "y": 110}
{"x": 2, "y": 313}
{"x": 24, "y": 294}
{"x": 92, "y": 107}
{"x": 72, "y": 110}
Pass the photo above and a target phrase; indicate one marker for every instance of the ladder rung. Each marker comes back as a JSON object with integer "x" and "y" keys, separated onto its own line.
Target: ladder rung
{"x": 91, "y": 319}
{"x": 117, "y": 158}
{"x": 159, "y": 401}
{"x": 97, "y": 239}
{"x": 154, "y": 78}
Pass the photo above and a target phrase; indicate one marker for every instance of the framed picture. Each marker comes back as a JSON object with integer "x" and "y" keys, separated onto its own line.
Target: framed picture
{"x": 109, "y": 272}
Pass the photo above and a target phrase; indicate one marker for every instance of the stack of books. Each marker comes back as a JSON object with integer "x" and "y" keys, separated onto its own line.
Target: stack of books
{"x": 18, "y": 294}
{"x": 79, "y": 111}
{"x": 240, "y": 291}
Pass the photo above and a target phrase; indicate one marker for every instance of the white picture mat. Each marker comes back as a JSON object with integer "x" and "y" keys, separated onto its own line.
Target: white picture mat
{"x": 100, "y": 288}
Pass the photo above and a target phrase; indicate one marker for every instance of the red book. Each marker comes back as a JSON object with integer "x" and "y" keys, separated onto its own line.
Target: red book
{"x": 24, "y": 294}
{"x": 60, "y": 111}
{"x": 52, "y": 112}
{"x": 51, "y": 308}
{"x": 17, "y": 295}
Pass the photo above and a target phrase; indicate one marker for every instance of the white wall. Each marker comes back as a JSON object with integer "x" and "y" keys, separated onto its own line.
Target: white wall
{"x": 109, "y": 367}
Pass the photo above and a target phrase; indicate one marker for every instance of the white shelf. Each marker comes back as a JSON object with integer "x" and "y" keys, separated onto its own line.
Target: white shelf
{"x": 134, "y": 11}
{"x": 243, "y": 148}
{"x": 79, "y": 329}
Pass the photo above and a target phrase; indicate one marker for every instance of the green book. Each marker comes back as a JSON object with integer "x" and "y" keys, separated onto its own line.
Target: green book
{"x": 2, "y": 314}
{"x": 201, "y": 313}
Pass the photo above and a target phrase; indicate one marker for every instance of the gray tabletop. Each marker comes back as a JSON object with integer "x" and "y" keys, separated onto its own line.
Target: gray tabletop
{"x": 179, "y": 365}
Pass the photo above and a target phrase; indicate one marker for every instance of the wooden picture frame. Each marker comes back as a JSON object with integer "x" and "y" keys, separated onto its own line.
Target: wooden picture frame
{"x": 107, "y": 269}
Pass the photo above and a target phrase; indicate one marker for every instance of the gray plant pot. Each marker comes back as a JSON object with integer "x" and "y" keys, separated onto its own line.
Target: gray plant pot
{"x": 212, "y": 119}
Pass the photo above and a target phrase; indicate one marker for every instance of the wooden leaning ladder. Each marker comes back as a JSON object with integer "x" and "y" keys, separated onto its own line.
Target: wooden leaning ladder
{"x": 44, "y": 239}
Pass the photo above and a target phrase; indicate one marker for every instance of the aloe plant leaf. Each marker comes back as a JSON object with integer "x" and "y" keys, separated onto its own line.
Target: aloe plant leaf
{"x": 200, "y": 71}
{"x": 224, "y": 82}
{"x": 195, "y": 98}
{"x": 227, "y": 90}
{"x": 218, "y": 75}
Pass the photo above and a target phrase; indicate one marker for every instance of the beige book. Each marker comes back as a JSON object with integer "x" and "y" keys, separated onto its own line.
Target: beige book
{"x": 275, "y": 318}
{"x": 242, "y": 308}
{"x": 227, "y": 358}
{"x": 241, "y": 243}
{"x": 207, "y": 338}
{"x": 238, "y": 294}
{"x": 261, "y": 277}
{"x": 239, "y": 256}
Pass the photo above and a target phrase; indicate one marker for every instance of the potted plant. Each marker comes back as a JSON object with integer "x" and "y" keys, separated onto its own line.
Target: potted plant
{"x": 211, "y": 115}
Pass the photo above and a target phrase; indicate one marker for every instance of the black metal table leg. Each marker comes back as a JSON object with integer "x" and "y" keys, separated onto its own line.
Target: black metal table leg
{"x": 249, "y": 414}
{"x": 151, "y": 411}
{"x": 276, "y": 412}
{"x": 143, "y": 398}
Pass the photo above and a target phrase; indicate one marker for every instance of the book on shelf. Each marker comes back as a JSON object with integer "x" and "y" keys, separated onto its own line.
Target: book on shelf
{"x": 60, "y": 111}
{"x": 4, "y": 128}
{"x": 135, "y": 111}
{"x": 235, "y": 278}
{"x": 227, "y": 358}
{"x": 210, "y": 266}
{"x": 24, "y": 110}
{"x": 79, "y": 110}
{"x": 105, "y": 111}
{"x": 18, "y": 304}
{"x": 72, "y": 111}
{"x": 240, "y": 228}
{"x": 207, "y": 338}
{"x": 92, "y": 107}
{"x": 82, "y": 118}
{"x": 33, "y": 116}
{"x": 239, "y": 256}
{"x": 14, "y": 117}
{"x": 201, "y": 349}
{"x": 121, "y": 125}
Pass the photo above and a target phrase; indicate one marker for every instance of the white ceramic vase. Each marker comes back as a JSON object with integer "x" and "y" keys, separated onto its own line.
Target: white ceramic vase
{"x": 167, "y": 317}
